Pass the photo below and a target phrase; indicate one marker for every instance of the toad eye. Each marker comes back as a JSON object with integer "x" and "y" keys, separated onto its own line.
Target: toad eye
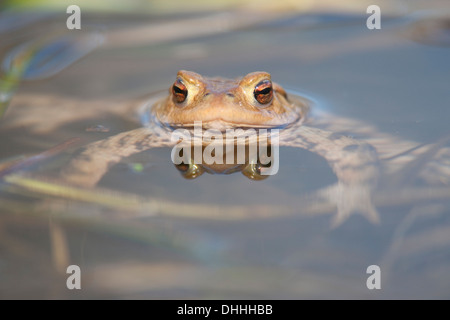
{"x": 253, "y": 171}
{"x": 190, "y": 170}
{"x": 179, "y": 91}
{"x": 263, "y": 92}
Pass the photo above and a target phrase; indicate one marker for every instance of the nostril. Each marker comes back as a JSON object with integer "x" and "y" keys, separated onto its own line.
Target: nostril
{"x": 230, "y": 94}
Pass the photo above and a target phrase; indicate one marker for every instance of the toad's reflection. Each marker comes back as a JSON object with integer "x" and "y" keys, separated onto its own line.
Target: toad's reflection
{"x": 257, "y": 167}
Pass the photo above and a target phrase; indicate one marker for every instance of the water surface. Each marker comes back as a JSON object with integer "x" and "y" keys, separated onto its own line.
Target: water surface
{"x": 395, "y": 78}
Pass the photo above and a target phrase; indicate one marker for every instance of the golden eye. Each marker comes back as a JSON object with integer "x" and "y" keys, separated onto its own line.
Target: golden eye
{"x": 190, "y": 170}
{"x": 179, "y": 91}
{"x": 263, "y": 92}
{"x": 253, "y": 171}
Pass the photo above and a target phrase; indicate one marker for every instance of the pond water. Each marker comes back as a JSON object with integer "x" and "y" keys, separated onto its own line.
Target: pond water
{"x": 146, "y": 232}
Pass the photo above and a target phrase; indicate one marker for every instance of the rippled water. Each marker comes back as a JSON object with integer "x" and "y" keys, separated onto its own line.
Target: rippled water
{"x": 149, "y": 233}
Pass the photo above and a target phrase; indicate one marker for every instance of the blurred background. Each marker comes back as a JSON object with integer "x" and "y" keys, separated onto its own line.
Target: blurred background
{"x": 160, "y": 7}
{"x": 144, "y": 231}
